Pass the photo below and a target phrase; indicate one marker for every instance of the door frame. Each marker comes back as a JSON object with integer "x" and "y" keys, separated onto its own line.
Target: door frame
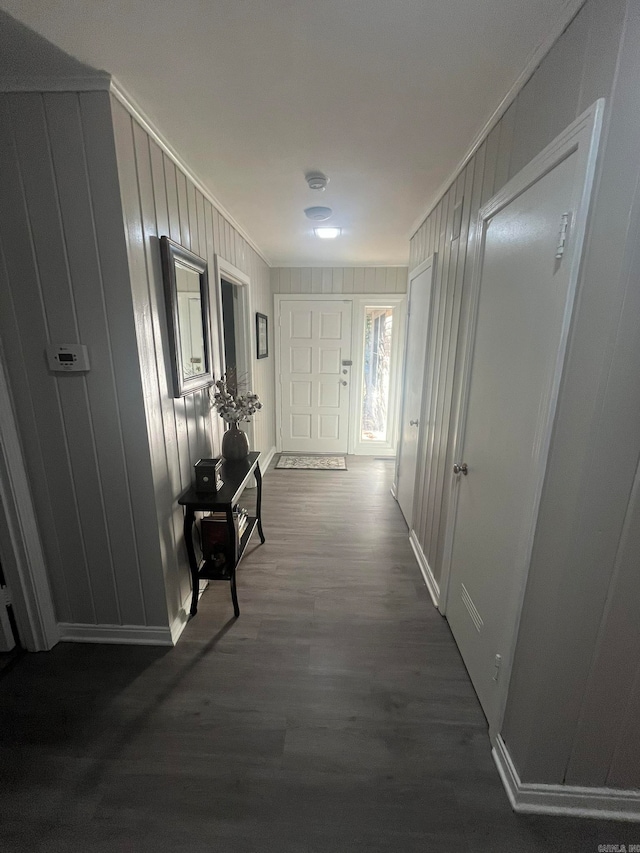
{"x": 229, "y": 272}
{"x": 581, "y": 137}
{"x": 23, "y": 559}
{"x": 358, "y": 303}
{"x": 428, "y": 263}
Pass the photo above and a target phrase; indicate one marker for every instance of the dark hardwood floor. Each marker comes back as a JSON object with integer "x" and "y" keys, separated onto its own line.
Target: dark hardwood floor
{"x": 334, "y": 715}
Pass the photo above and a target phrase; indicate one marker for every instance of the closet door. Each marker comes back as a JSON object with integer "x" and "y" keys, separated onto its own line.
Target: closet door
{"x": 531, "y": 240}
{"x": 420, "y": 282}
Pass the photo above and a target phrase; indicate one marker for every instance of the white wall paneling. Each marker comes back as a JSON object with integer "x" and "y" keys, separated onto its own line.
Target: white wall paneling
{"x": 373, "y": 280}
{"x": 159, "y": 198}
{"x": 557, "y": 724}
{"x": 84, "y": 437}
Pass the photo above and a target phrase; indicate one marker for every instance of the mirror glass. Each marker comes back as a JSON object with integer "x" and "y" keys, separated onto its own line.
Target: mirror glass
{"x": 191, "y": 331}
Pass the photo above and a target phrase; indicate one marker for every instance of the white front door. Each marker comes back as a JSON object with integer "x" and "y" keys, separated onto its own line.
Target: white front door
{"x": 525, "y": 285}
{"x": 420, "y": 282}
{"x": 315, "y": 341}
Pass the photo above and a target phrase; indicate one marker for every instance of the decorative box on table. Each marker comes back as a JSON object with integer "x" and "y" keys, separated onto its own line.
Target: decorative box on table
{"x": 208, "y": 479}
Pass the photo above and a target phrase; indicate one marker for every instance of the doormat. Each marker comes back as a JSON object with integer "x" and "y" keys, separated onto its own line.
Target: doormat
{"x": 313, "y": 463}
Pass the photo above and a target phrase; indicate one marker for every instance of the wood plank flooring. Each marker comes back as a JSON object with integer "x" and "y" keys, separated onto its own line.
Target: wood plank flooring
{"x": 334, "y": 715}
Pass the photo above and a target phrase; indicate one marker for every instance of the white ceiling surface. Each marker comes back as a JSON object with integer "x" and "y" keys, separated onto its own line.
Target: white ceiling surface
{"x": 384, "y": 96}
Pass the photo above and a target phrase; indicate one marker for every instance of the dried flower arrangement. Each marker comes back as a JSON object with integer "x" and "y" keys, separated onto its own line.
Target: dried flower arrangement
{"x": 232, "y": 406}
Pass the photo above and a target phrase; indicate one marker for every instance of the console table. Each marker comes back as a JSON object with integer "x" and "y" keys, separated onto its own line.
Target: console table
{"x": 235, "y": 476}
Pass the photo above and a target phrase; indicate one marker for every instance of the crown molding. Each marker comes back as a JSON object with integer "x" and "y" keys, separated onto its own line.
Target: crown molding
{"x": 94, "y": 83}
{"x": 119, "y": 92}
{"x": 570, "y": 10}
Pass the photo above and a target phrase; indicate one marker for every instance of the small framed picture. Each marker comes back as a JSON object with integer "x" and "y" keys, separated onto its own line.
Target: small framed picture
{"x": 262, "y": 335}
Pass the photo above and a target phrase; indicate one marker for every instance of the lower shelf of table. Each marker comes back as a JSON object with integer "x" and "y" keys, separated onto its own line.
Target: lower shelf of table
{"x": 208, "y": 571}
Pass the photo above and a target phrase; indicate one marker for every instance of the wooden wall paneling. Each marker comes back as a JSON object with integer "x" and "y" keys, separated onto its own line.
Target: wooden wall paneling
{"x": 202, "y": 397}
{"x": 558, "y": 81}
{"x": 305, "y": 280}
{"x": 425, "y": 442}
{"x": 295, "y": 281}
{"x": 140, "y": 288}
{"x": 524, "y": 146}
{"x": 32, "y": 389}
{"x": 54, "y": 294}
{"x": 606, "y": 24}
{"x": 358, "y": 280}
{"x": 338, "y": 280}
{"x": 177, "y": 562}
{"x": 218, "y": 234}
{"x": 327, "y": 280}
{"x": 102, "y": 470}
{"x": 442, "y": 425}
{"x": 369, "y": 280}
{"x": 285, "y": 278}
{"x": 490, "y": 163}
{"x": 453, "y": 367}
{"x": 176, "y": 234}
{"x": 439, "y": 330}
{"x": 348, "y": 280}
{"x": 171, "y": 189}
{"x": 216, "y": 322}
{"x": 100, "y": 151}
{"x": 379, "y": 283}
{"x": 183, "y": 407}
{"x": 158, "y": 405}
{"x": 183, "y": 208}
{"x": 507, "y": 125}
{"x": 316, "y": 280}
{"x": 437, "y": 310}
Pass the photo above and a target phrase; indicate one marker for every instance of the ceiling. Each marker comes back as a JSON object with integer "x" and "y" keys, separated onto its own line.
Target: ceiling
{"x": 384, "y": 97}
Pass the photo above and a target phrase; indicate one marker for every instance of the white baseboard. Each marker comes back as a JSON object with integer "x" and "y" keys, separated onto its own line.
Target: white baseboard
{"x": 569, "y": 800}
{"x": 427, "y": 574}
{"x": 265, "y": 458}
{"x": 133, "y": 635}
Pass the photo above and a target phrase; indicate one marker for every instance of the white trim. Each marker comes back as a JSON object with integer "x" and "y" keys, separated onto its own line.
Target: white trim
{"x": 132, "y": 107}
{"x": 566, "y": 16}
{"x": 100, "y": 82}
{"x": 22, "y": 554}
{"x": 429, "y": 578}
{"x": 264, "y": 460}
{"x": 133, "y": 635}
{"x": 582, "y": 137}
{"x": 235, "y": 276}
{"x": 567, "y": 800}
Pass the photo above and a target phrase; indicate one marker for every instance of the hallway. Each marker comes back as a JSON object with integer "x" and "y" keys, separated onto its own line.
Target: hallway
{"x": 334, "y": 715}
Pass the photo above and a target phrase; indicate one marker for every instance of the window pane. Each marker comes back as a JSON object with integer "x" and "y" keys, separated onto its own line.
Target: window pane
{"x": 377, "y": 356}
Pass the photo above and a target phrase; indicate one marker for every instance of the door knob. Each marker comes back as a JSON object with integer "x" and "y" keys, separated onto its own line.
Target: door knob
{"x": 343, "y": 382}
{"x": 460, "y": 469}
{"x": 414, "y": 423}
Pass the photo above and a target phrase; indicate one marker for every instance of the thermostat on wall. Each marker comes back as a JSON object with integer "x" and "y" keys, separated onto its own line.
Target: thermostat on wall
{"x": 68, "y": 358}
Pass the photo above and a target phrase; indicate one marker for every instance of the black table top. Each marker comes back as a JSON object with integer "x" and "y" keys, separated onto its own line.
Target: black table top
{"x": 235, "y": 476}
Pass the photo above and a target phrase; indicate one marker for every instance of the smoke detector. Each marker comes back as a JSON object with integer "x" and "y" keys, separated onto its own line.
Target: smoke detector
{"x": 318, "y": 214}
{"x": 317, "y": 181}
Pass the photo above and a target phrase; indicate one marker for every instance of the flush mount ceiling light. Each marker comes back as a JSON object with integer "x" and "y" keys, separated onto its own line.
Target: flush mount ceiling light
{"x": 327, "y": 233}
{"x": 318, "y": 214}
{"x": 316, "y": 181}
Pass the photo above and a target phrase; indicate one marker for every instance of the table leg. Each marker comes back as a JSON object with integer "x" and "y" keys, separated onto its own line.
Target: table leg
{"x": 189, "y": 518}
{"x": 234, "y": 594}
{"x": 258, "y": 476}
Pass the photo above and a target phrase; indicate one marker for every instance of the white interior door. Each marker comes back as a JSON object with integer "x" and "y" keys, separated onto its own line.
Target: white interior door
{"x": 315, "y": 340}
{"x": 420, "y": 282}
{"x": 525, "y": 282}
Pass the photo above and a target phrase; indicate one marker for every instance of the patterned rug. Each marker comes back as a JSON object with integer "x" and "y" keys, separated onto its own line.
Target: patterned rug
{"x": 313, "y": 463}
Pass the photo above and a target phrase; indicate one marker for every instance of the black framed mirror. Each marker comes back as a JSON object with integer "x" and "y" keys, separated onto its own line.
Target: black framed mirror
{"x": 187, "y": 296}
